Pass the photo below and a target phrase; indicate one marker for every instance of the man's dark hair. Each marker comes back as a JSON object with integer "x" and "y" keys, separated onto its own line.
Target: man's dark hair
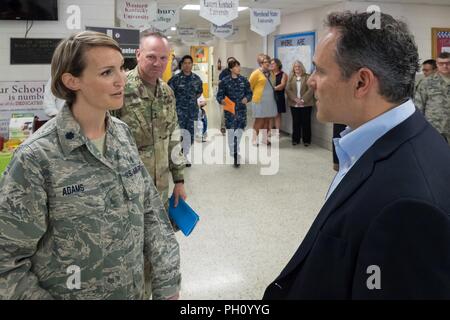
{"x": 233, "y": 63}
{"x": 390, "y": 52}
{"x": 431, "y": 62}
{"x": 230, "y": 59}
{"x": 444, "y": 55}
{"x": 186, "y": 57}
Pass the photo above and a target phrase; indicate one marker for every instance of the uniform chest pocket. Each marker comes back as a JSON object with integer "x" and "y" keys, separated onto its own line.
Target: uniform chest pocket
{"x": 133, "y": 182}
{"x": 140, "y": 127}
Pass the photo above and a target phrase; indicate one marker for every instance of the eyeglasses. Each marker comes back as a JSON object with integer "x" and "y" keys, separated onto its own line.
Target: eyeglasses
{"x": 443, "y": 63}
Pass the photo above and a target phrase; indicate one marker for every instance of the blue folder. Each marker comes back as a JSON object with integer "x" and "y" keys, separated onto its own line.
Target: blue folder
{"x": 183, "y": 215}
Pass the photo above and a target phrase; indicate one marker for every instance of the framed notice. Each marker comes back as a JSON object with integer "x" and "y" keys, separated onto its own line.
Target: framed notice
{"x": 440, "y": 41}
{"x": 296, "y": 46}
{"x": 32, "y": 50}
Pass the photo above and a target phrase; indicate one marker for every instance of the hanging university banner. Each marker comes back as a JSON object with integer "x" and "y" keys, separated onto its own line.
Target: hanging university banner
{"x": 264, "y": 21}
{"x": 167, "y": 16}
{"x": 136, "y": 14}
{"x": 186, "y": 32}
{"x": 219, "y": 12}
{"x": 222, "y": 31}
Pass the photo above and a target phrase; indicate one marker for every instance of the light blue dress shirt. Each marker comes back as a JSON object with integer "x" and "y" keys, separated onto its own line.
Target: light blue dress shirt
{"x": 354, "y": 143}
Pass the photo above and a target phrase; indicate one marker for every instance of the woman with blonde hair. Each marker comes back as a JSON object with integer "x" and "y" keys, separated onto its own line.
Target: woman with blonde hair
{"x": 264, "y": 107}
{"x": 80, "y": 216}
{"x": 300, "y": 100}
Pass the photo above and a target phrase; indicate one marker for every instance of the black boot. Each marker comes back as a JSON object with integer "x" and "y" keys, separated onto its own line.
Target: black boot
{"x": 236, "y": 161}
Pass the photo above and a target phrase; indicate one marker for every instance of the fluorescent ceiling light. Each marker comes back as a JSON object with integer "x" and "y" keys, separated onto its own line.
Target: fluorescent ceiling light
{"x": 197, "y": 7}
{"x": 173, "y": 28}
{"x": 169, "y": 37}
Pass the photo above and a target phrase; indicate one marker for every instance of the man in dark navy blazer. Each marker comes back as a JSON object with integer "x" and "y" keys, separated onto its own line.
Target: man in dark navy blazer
{"x": 384, "y": 230}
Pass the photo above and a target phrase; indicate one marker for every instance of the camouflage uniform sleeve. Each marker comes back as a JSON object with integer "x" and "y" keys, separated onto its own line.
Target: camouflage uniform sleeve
{"x": 176, "y": 159}
{"x": 199, "y": 88}
{"x": 161, "y": 248}
{"x": 420, "y": 97}
{"x": 23, "y": 212}
{"x": 220, "y": 92}
{"x": 171, "y": 83}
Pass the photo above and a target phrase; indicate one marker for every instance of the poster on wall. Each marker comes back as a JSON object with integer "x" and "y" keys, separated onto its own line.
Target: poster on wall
{"x": 440, "y": 41}
{"x": 22, "y": 97}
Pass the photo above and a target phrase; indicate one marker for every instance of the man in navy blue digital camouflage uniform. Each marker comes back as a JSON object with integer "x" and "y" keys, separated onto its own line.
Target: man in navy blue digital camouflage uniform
{"x": 187, "y": 87}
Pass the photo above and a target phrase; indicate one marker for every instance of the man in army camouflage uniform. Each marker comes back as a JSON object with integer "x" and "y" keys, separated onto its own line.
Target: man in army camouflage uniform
{"x": 433, "y": 96}
{"x": 429, "y": 67}
{"x": 149, "y": 110}
{"x": 79, "y": 215}
{"x": 188, "y": 87}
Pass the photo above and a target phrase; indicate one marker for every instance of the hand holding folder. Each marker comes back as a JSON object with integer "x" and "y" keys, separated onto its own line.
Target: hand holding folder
{"x": 229, "y": 105}
{"x": 183, "y": 215}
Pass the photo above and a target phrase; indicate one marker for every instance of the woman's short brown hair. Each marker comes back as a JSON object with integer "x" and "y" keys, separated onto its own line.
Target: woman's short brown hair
{"x": 69, "y": 57}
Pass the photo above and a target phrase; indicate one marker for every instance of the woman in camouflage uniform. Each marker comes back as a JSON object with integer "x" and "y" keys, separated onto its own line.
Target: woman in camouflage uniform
{"x": 79, "y": 214}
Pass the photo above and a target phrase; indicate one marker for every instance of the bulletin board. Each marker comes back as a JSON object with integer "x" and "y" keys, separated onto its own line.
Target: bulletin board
{"x": 296, "y": 46}
{"x": 440, "y": 38}
{"x": 291, "y": 47}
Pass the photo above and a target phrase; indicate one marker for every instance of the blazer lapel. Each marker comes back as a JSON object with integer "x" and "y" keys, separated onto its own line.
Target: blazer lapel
{"x": 358, "y": 174}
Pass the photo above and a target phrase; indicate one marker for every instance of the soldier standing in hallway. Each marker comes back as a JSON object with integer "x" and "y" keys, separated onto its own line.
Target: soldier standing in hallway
{"x": 433, "y": 96}
{"x": 188, "y": 87}
{"x": 149, "y": 111}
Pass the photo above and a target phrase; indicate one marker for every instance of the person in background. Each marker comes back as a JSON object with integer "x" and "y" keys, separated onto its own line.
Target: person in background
{"x": 433, "y": 96}
{"x": 429, "y": 67}
{"x": 281, "y": 79}
{"x": 187, "y": 87}
{"x": 52, "y": 104}
{"x": 224, "y": 73}
{"x": 337, "y": 129}
{"x": 264, "y": 106}
{"x": 237, "y": 89}
{"x": 300, "y": 100}
{"x": 80, "y": 216}
{"x": 149, "y": 110}
{"x": 201, "y": 102}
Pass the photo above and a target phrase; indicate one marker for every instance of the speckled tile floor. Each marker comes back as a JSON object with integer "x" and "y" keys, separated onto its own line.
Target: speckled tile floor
{"x": 250, "y": 224}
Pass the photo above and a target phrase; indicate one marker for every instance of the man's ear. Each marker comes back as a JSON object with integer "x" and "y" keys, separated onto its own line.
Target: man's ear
{"x": 71, "y": 82}
{"x": 364, "y": 82}
{"x": 138, "y": 53}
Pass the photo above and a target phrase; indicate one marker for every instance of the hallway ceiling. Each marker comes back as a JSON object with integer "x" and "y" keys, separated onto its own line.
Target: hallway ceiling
{"x": 192, "y": 18}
